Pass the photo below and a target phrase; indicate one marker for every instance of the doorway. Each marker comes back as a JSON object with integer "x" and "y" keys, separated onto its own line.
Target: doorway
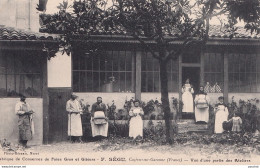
{"x": 58, "y": 117}
{"x": 192, "y": 73}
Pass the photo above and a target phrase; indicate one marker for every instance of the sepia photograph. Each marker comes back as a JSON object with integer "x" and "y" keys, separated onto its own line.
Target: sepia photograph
{"x": 130, "y": 82}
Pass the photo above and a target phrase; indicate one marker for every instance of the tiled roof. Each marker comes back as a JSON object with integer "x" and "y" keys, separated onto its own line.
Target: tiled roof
{"x": 215, "y": 31}
{"x": 219, "y": 32}
{"x": 8, "y": 33}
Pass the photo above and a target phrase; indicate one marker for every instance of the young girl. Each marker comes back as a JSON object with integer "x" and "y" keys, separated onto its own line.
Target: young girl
{"x": 136, "y": 122}
{"x": 237, "y": 122}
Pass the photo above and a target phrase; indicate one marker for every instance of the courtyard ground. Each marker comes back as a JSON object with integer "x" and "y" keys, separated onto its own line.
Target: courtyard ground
{"x": 118, "y": 150}
{"x": 127, "y": 151}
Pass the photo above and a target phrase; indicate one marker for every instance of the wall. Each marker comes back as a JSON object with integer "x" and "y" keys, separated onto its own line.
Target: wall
{"x": 148, "y": 96}
{"x": 243, "y": 96}
{"x": 21, "y": 14}
{"x": 120, "y": 98}
{"x": 153, "y": 96}
{"x": 107, "y": 98}
{"x": 59, "y": 71}
{"x": 214, "y": 97}
{"x": 9, "y": 121}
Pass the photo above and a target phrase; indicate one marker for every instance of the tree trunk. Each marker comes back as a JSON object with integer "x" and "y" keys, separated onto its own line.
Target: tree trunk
{"x": 165, "y": 101}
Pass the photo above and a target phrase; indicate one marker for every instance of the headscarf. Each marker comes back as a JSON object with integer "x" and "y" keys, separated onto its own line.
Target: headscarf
{"x": 202, "y": 91}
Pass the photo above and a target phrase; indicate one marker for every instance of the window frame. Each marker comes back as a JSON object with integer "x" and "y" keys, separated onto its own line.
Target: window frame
{"x": 15, "y": 73}
{"x": 108, "y": 54}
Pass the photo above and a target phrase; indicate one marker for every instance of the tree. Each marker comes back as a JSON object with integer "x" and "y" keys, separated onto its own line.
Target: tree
{"x": 159, "y": 21}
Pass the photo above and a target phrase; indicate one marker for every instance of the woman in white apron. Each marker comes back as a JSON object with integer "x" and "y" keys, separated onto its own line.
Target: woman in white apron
{"x": 201, "y": 106}
{"x": 187, "y": 98}
{"x": 136, "y": 122}
{"x": 221, "y": 112}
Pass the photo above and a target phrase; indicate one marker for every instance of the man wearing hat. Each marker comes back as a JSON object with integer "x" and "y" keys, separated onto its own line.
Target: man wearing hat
{"x": 25, "y": 122}
{"x": 74, "y": 110}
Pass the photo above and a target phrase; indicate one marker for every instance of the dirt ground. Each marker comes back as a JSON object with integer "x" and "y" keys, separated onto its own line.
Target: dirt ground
{"x": 179, "y": 153}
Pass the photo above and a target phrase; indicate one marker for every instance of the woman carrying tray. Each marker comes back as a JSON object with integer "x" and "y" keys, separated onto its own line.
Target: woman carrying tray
{"x": 99, "y": 124}
{"x": 201, "y": 106}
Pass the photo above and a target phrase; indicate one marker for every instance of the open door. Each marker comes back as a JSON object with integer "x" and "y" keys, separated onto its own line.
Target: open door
{"x": 192, "y": 73}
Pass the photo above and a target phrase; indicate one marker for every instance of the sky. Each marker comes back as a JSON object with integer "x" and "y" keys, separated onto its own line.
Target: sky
{"x": 52, "y": 8}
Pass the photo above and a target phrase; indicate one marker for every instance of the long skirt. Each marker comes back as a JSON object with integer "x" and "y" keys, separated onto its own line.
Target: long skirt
{"x": 220, "y": 117}
{"x": 136, "y": 127}
{"x": 99, "y": 130}
{"x": 202, "y": 114}
{"x": 74, "y": 125}
{"x": 25, "y": 129}
{"x": 187, "y": 102}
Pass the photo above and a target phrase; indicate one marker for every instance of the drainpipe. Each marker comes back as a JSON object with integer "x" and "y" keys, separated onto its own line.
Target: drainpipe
{"x": 29, "y": 22}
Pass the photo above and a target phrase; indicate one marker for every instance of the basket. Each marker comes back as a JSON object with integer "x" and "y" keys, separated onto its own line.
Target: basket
{"x": 202, "y": 105}
{"x": 99, "y": 118}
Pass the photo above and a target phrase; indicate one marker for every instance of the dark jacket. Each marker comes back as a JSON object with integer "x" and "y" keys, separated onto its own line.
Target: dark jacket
{"x": 98, "y": 107}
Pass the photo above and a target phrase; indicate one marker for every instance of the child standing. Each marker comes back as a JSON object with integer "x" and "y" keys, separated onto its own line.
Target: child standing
{"x": 237, "y": 122}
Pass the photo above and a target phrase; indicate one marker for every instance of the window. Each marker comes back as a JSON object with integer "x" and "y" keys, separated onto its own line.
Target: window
{"x": 191, "y": 57}
{"x": 214, "y": 70}
{"x": 244, "y": 74}
{"x": 20, "y": 73}
{"x": 151, "y": 74}
{"x": 109, "y": 71}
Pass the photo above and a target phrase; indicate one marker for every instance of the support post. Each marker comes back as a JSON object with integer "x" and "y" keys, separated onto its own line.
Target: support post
{"x": 202, "y": 68}
{"x": 138, "y": 80}
{"x": 180, "y": 76}
{"x": 45, "y": 98}
{"x": 225, "y": 91}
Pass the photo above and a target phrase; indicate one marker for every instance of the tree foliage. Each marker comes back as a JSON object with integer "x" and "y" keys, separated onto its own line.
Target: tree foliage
{"x": 163, "y": 21}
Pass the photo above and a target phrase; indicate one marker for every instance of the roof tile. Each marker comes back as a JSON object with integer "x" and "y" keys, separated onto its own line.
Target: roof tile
{"x": 10, "y": 33}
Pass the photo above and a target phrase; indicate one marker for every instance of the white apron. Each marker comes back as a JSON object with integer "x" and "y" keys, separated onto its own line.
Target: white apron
{"x": 187, "y": 99}
{"x": 99, "y": 129}
{"x": 136, "y": 124}
{"x": 221, "y": 116}
{"x": 74, "y": 125}
{"x": 201, "y": 114}
{"x": 74, "y": 120}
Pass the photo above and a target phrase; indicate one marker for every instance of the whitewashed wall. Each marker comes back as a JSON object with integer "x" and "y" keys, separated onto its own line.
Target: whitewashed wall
{"x": 107, "y": 98}
{"x": 9, "y": 121}
{"x": 153, "y": 96}
{"x": 214, "y": 97}
{"x": 21, "y": 14}
{"x": 244, "y": 96}
{"x": 59, "y": 71}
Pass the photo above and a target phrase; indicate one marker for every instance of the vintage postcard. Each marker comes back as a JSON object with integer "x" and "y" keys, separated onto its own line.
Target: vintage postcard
{"x": 130, "y": 82}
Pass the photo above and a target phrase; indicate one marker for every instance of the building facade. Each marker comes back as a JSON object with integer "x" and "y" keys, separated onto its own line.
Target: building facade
{"x": 23, "y": 67}
{"x": 121, "y": 70}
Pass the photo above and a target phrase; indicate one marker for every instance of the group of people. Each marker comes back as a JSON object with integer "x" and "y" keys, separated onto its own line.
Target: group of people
{"x": 201, "y": 109}
{"x": 201, "y": 103}
{"x": 99, "y": 120}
